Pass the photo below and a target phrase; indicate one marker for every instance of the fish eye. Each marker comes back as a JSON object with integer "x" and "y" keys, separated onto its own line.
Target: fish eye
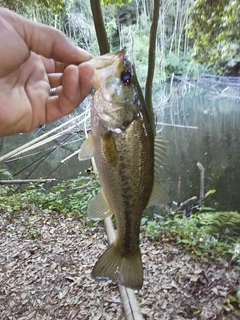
{"x": 126, "y": 77}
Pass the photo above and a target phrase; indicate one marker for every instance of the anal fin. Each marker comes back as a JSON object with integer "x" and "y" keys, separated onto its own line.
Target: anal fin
{"x": 98, "y": 208}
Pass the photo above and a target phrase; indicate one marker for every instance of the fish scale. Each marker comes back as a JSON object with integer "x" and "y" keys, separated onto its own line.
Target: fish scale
{"x": 122, "y": 142}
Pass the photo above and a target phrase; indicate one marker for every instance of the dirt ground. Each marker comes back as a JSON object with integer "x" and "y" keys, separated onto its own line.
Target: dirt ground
{"x": 45, "y": 273}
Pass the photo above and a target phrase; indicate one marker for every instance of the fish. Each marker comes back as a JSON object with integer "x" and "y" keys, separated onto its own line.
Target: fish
{"x": 128, "y": 157}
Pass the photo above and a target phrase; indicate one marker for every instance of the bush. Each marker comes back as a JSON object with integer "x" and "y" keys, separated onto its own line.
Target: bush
{"x": 214, "y": 234}
{"x": 67, "y": 196}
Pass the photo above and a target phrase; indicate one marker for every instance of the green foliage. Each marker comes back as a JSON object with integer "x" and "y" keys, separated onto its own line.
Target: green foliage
{"x": 25, "y": 6}
{"x": 33, "y": 235}
{"x": 212, "y": 25}
{"x": 181, "y": 65}
{"x": 9, "y": 200}
{"x": 202, "y": 205}
{"x": 214, "y": 234}
{"x": 115, "y": 2}
{"x": 68, "y": 196}
{"x": 232, "y": 302}
{"x": 4, "y": 173}
{"x": 210, "y": 192}
{"x": 152, "y": 228}
{"x": 222, "y": 225}
{"x": 56, "y": 6}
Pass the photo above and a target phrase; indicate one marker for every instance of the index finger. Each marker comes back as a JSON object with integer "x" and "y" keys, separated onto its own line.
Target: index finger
{"x": 44, "y": 40}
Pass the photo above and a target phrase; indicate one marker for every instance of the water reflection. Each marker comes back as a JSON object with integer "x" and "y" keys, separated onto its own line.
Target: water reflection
{"x": 45, "y": 161}
{"x": 215, "y": 144}
{"x": 202, "y": 126}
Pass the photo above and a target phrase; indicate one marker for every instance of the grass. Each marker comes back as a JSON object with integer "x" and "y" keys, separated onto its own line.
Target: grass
{"x": 205, "y": 234}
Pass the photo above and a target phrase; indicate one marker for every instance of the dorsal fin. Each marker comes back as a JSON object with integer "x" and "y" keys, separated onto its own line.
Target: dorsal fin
{"x": 158, "y": 196}
{"x": 160, "y": 147}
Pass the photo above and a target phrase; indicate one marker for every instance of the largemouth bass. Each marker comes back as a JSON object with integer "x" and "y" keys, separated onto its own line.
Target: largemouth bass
{"x": 122, "y": 144}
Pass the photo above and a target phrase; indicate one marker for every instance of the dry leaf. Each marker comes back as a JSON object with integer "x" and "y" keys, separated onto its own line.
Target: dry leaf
{"x": 34, "y": 284}
{"x": 195, "y": 277}
{"x": 198, "y": 271}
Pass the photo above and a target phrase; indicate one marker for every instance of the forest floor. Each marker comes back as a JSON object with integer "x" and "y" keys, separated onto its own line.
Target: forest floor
{"x": 45, "y": 273}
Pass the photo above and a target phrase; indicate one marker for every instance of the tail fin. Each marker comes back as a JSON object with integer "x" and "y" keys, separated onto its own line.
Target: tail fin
{"x": 125, "y": 270}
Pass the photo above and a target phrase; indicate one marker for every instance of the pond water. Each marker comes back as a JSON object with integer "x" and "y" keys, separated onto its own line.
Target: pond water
{"x": 45, "y": 161}
{"x": 200, "y": 125}
{"x": 203, "y": 127}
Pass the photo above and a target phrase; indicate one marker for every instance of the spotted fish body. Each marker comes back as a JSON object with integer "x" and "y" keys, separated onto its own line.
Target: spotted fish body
{"x": 122, "y": 143}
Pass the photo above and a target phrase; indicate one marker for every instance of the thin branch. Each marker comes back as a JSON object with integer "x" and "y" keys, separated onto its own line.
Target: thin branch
{"x": 36, "y": 142}
{"x": 151, "y": 60}
{"x": 201, "y": 168}
{"x": 19, "y": 181}
{"x": 99, "y": 26}
{"x": 175, "y": 125}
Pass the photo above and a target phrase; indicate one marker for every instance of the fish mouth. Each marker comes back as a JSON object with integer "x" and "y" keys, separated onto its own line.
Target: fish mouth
{"x": 107, "y": 59}
{"x": 107, "y": 65}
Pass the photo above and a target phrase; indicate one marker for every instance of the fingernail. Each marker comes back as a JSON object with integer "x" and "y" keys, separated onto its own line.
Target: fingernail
{"x": 84, "y": 55}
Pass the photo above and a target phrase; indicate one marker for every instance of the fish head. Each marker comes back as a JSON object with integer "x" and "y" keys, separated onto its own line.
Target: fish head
{"x": 117, "y": 97}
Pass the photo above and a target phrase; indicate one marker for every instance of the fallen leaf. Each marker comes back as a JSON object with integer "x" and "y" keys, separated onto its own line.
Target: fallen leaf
{"x": 195, "y": 277}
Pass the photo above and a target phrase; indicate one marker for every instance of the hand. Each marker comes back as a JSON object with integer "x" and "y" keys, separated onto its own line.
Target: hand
{"x": 35, "y": 58}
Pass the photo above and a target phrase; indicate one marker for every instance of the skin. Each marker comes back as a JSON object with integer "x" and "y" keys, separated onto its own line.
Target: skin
{"x": 35, "y": 58}
{"x": 124, "y": 153}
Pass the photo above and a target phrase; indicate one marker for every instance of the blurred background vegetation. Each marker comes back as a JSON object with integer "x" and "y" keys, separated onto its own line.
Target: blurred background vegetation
{"x": 191, "y": 34}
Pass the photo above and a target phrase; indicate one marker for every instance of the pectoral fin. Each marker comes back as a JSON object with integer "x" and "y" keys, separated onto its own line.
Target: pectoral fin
{"x": 86, "y": 150}
{"x": 98, "y": 208}
{"x": 158, "y": 196}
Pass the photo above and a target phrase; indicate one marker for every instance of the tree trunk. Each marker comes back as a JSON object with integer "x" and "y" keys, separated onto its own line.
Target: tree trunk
{"x": 99, "y": 26}
{"x": 151, "y": 60}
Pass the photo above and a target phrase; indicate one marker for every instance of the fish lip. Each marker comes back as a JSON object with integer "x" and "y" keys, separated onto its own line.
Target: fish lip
{"x": 106, "y": 65}
{"x": 106, "y": 60}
